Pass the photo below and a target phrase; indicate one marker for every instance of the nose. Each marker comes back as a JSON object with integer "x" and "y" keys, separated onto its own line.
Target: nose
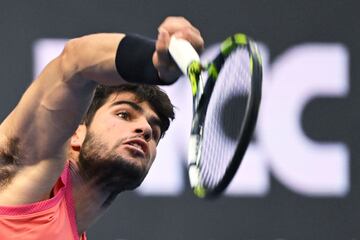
{"x": 144, "y": 129}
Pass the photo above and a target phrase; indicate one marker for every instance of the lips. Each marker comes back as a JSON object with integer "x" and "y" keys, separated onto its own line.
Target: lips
{"x": 138, "y": 144}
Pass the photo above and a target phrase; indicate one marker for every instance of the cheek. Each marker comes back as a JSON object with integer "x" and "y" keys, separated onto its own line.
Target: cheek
{"x": 103, "y": 127}
{"x": 105, "y": 133}
{"x": 153, "y": 152}
{"x": 115, "y": 130}
{"x": 111, "y": 125}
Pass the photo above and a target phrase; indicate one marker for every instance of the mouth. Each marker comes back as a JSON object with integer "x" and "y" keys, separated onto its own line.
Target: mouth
{"x": 138, "y": 146}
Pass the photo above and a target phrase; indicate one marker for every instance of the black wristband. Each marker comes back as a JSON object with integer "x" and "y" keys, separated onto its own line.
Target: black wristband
{"x": 134, "y": 60}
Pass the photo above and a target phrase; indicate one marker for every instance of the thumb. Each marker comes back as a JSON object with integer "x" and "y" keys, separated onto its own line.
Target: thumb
{"x": 162, "y": 45}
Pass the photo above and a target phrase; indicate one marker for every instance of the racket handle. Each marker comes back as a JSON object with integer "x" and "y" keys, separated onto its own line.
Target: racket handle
{"x": 183, "y": 53}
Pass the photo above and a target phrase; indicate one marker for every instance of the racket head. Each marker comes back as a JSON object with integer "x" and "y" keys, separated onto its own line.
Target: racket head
{"x": 225, "y": 116}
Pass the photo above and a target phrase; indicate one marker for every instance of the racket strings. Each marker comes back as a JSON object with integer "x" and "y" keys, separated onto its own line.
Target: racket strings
{"x": 223, "y": 121}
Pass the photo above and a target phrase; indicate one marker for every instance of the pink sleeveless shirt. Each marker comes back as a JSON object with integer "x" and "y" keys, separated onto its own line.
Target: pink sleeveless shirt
{"x": 53, "y": 218}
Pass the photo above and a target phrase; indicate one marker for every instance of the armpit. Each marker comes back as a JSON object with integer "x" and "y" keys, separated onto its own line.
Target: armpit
{"x": 9, "y": 160}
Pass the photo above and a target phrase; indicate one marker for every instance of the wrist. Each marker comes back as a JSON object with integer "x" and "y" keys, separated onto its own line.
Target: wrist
{"x": 134, "y": 61}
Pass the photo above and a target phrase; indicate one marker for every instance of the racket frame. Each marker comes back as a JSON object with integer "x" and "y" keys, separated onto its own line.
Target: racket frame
{"x": 191, "y": 66}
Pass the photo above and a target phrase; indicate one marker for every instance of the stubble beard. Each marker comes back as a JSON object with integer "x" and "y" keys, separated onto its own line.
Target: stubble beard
{"x": 106, "y": 168}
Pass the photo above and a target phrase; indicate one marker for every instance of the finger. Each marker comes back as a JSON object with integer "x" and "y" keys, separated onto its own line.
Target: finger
{"x": 192, "y": 36}
{"x": 162, "y": 60}
{"x": 161, "y": 47}
{"x": 182, "y": 28}
{"x": 174, "y": 24}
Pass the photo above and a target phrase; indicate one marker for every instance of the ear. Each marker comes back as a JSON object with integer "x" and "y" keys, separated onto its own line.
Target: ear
{"x": 78, "y": 137}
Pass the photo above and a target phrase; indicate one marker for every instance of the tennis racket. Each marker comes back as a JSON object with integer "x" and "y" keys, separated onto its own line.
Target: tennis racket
{"x": 225, "y": 109}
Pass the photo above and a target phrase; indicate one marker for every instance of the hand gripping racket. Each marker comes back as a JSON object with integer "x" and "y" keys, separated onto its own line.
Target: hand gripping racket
{"x": 225, "y": 109}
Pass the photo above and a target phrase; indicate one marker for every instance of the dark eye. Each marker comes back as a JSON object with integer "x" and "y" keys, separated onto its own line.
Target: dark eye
{"x": 124, "y": 115}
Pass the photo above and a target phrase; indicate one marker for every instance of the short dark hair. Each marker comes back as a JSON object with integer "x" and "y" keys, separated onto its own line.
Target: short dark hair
{"x": 157, "y": 98}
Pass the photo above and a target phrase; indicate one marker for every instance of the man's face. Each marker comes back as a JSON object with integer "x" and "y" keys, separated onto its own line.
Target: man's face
{"x": 120, "y": 143}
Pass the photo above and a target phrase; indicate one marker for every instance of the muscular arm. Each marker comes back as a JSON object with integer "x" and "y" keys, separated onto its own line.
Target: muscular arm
{"x": 33, "y": 137}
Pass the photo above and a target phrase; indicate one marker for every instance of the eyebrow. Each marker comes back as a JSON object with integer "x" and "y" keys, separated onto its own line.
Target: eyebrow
{"x": 152, "y": 120}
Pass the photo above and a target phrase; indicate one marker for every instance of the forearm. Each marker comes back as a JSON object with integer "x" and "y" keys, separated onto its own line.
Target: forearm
{"x": 92, "y": 57}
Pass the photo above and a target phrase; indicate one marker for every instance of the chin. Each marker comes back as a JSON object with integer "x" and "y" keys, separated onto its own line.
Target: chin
{"x": 116, "y": 169}
{"x": 114, "y": 173}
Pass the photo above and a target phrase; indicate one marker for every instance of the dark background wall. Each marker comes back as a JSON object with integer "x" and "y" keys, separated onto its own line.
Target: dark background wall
{"x": 280, "y": 214}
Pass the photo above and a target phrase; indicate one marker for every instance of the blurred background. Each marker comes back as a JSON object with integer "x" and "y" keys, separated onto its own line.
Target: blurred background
{"x": 300, "y": 176}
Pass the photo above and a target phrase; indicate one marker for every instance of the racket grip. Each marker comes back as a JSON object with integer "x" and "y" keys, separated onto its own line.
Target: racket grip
{"x": 183, "y": 53}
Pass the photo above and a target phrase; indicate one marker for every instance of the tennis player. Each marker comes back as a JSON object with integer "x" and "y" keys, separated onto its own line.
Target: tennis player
{"x": 86, "y": 130}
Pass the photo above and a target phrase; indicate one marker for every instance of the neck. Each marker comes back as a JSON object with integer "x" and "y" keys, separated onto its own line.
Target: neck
{"x": 91, "y": 200}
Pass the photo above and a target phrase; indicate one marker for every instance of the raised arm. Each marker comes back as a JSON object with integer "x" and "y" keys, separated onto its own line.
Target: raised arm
{"x": 51, "y": 108}
{"x": 34, "y": 136}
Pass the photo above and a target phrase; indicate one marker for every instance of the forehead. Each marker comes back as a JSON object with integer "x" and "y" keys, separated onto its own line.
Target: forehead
{"x": 114, "y": 97}
{"x": 129, "y": 97}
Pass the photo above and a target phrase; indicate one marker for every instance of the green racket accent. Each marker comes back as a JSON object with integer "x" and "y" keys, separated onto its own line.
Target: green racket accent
{"x": 230, "y": 43}
{"x": 251, "y": 64}
{"x": 194, "y": 71}
{"x": 200, "y": 191}
{"x": 240, "y": 39}
{"x": 227, "y": 46}
{"x": 212, "y": 70}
